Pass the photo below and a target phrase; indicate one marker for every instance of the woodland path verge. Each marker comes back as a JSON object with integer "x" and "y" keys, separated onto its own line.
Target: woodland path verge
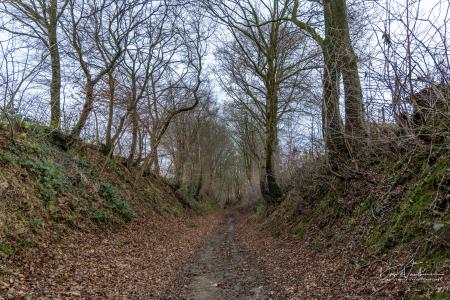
{"x": 139, "y": 261}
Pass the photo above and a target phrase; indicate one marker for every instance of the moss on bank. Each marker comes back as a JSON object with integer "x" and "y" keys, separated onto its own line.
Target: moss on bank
{"x": 396, "y": 210}
{"x": 47, "y": 190}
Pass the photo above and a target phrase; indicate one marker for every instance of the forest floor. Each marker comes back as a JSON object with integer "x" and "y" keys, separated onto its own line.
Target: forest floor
{"x": 138, "y": 261}
{"x": 220, "y": 256}
{"x": 198, "y": 258}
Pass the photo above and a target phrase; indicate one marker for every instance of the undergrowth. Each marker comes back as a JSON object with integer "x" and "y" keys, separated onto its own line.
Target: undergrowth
{"x": 398, "y": 206}
{"x": 108, "y": 192}
{"x": 423, "y": 209}
{"x": 47, "y": 187}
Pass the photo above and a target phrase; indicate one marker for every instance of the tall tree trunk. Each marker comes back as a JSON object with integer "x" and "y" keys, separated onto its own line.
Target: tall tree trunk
{"x": 87, "y": 108}
{"x": 198, "y": 185}
{"x": 354, "y": 112}
{"x": 273, "y": 191}
{"x": 112, "y": 92}
{"x": 140, "y": 152}
{"x": 332, "y": 122}
{"x": 154, "y": 151}
{"x": 179, "y": 158}
{"x": 332, "y": 125}
{"x": 156, "y": 166}
{"x": 270, "y": 188}
{"x": 134, "y": 136}
{"x": 331, "y": 116}
{"x": 55, "y": 85}
{"x": 134, "y": 121}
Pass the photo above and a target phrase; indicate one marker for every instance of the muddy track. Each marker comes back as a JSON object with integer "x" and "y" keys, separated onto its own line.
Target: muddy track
{"x": 223, "y": 269}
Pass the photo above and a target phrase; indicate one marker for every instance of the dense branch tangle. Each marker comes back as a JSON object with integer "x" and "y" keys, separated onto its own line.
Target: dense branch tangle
{"x": 265, "y": 70}
{"x": 39, "y": 20}
{"x": 135, "y": 82}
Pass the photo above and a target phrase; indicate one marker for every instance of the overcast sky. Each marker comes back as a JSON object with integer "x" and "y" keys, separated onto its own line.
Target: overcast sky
{"x": 429, "y": 10}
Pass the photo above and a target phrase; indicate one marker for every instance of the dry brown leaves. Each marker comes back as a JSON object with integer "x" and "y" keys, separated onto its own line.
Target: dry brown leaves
{"x": 140, "y": 261}
{"x": 329, "y": 269}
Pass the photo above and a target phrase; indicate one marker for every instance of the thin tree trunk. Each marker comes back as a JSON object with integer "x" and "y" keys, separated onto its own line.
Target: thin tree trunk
{"x": 87, "y": 108}
{"x": 112, "y": 91}
{"x": 154, "y": 158}
{"x": 140, "y": 146}
{"x": 134, "y": 137}
{"x": 134, "y": 121}
{"x": 178, "y": 160}
{"x": 55, "y": 85}
{"x": 198, "y": 185}
{"x": 97, "y": 132}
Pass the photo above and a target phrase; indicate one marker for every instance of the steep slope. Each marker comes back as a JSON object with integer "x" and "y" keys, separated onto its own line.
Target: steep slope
{"x": 380, "y": 228}
{"x": 48, "y": 192}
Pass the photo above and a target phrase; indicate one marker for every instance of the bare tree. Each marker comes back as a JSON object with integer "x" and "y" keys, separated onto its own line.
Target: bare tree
{"x": 413, "y": 44}
{"x": 205, "y": 158}
{"x": 98, "y": 33}
{"x": 264, "y": 68}
{"x": 39, "y": 20}
{"x": 186, "y": 95}
{"x": 339, "y": 58}
{"x": 147, "y": 65}
{"x": 17, "y": 76}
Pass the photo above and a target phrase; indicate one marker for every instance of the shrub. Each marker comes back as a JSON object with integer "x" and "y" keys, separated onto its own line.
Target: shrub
{"x": 37, "y": 223}
{"x": 6, "y": 249}
{"x": 46, "y": 191}
{"x": 39, "y": 149}
{"x": 113, "y": 165}
{"x": 101, "y": 216}
{"x": 108, "y": 192}
{"x": 26, "y": 243}
{"x": 6, "y": 157}
{"x": 260, "y": 209}
{"x": 51, "y": 178}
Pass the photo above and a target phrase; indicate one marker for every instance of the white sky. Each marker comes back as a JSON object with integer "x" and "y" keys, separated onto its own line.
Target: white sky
{"x": 434, "y": 10}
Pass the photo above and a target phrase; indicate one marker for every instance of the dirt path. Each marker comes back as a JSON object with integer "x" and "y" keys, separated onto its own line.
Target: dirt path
{"x": 223, "y": 269}
{"x": 199, "y": 258}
